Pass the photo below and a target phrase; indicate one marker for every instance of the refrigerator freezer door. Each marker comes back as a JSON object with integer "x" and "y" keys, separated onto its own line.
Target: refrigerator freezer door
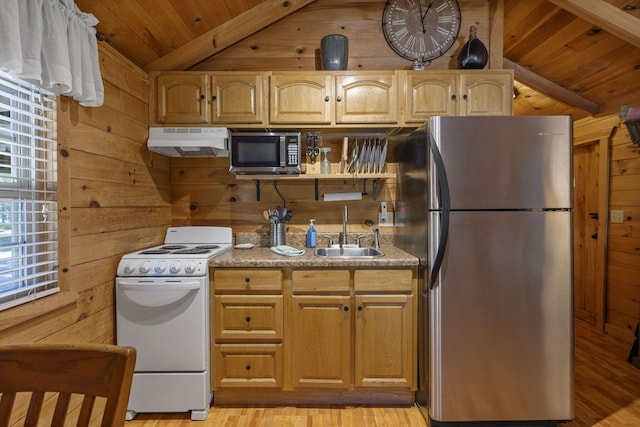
{"x": 506, "y": 162}
{"x": 501, "y": 320}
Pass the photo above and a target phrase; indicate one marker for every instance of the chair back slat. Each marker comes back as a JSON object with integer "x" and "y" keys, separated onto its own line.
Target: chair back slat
{"x": 89, "y": 370}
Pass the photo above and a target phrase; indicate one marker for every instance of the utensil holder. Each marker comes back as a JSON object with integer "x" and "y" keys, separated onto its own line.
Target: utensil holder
{"x": 277, "y": 236}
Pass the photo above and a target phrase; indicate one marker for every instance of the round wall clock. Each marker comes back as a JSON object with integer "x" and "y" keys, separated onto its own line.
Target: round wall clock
{"x": 421, "y": 30}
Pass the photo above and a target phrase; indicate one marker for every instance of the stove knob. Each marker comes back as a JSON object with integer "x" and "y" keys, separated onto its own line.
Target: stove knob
{"x": 145, "y": 267}
{"x": 161, "y": 267}
{"x": 130, "y": 268}
{"x": 175, "y": 267}
{"x": 190, "y": 267}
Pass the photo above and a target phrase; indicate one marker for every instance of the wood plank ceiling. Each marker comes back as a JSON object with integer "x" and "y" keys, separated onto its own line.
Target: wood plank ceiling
{"x": 580, "y": 57}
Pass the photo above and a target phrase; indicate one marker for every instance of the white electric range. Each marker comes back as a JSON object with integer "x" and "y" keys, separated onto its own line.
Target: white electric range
{"x": 162, "y": 309}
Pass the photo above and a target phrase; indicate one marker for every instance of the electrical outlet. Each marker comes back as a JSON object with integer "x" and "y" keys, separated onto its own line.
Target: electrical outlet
{"x": 616, "y": 217}
{"x": 385, "y": 222}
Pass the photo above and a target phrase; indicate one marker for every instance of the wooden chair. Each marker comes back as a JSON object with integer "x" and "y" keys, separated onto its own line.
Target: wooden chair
{"x": 89, "y": 370}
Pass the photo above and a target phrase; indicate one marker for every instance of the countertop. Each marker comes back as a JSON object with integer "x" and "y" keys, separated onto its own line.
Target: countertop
{"x": 264, "y": 257}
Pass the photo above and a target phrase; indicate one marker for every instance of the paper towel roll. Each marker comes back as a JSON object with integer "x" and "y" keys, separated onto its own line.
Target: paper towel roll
{"x": 333, "y": 197}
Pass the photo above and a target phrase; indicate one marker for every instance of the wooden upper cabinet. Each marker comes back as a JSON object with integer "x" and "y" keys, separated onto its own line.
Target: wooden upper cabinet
{"x": 429, "y": 94}
{"x": 182, "y": 98}
{"x": 486, "y": 94}
{"x": 457, "y": 92}
{"x": 238, "y": 98}
{"x": 300, "y": 98}
{"x": 185, "y": 97}
{"x": 367, "y": 98}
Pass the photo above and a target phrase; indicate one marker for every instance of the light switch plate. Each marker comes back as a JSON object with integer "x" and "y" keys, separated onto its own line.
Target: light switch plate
{"x": 616, "y": 217}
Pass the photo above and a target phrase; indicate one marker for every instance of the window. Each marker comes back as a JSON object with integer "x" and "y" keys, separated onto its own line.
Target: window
{"x": 28, "y": 193}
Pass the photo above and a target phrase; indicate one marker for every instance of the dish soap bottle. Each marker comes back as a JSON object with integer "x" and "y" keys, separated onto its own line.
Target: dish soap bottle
{"x": 311, "y": 235}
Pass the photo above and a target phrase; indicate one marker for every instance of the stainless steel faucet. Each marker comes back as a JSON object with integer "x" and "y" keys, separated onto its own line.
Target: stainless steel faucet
{"x": 345, "y": 218}
{"x": 376, "y": 238}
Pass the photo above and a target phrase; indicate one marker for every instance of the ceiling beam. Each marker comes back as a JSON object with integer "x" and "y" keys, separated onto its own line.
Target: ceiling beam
{"x": 605, "y": 16}
{"x": 549, "y": 88}
{"x": 226, "y": 34}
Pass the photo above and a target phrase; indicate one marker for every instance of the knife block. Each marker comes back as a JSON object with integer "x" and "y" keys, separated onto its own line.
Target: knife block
{"x": 313, "y": 168}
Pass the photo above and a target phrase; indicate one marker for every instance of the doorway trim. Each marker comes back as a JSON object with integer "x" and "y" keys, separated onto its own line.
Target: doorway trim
{"x": 599, "y": 131}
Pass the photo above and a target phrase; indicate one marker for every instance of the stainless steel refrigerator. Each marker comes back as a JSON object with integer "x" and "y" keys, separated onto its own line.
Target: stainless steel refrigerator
{"x": 486, "y": 204}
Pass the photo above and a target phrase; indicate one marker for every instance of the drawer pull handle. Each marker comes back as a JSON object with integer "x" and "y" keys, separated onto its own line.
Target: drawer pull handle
{"x": 248, "y": 367}
{"x": 247, "y": 279}
{"x": 248, "y": 318}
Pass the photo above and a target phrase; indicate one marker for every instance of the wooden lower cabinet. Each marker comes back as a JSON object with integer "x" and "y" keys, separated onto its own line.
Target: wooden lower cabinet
{"x": 324, "y": 335}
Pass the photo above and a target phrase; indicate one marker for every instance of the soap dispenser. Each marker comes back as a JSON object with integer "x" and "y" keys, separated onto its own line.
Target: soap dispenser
{"x": 311, "y": 235}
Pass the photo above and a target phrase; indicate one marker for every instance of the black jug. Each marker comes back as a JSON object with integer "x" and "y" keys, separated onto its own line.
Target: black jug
{"x": 473, "y": 54}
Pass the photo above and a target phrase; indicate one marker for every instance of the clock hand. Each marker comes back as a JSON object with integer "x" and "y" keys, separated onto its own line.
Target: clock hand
{"x": 426, "y": 11}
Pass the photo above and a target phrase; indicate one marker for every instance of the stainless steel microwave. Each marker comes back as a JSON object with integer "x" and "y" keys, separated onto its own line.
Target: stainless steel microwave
{"x": 264, "y": 152}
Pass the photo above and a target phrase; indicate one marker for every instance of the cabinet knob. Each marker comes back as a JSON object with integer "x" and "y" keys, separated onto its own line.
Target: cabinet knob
{"x": 248, "y": 318}
{"x": 213, "y": 98}
{"x": 465, "y": 97}
{"x": 201, "y": 96}
{"x": 345, "y": 308}
{"x": 247, "y": 279}
{"x": 339, "y": 99}
{"x": 453, "y": 97}
{"x": 248, "y": 367}
{"x": 359, "y": 308}
{"x": 326, "y": 98}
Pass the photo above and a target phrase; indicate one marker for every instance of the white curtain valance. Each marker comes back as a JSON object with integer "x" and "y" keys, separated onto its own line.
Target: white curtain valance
{"x": 53, "y": 44}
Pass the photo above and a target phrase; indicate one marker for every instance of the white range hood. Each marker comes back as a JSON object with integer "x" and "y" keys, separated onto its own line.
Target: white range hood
{"x": 189, "y": 142}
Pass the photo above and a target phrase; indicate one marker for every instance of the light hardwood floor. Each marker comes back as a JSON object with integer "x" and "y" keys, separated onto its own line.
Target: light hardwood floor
{"x": 607, "y": 394}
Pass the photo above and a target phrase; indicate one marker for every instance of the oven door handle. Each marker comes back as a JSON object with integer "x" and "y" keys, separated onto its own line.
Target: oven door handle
{"x": 140, "y": 287}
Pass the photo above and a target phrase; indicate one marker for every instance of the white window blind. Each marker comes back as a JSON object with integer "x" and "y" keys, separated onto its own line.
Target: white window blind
{"x": 28, "y": 193}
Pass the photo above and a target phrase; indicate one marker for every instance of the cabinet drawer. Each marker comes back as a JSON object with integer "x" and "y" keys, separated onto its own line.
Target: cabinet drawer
{"x": 319, "y": 281}
{"x": 383, "y": 281}
{"x": 244, "y": 317}
{"x": 248, "y": 365}
{"x": 256, "y": 280}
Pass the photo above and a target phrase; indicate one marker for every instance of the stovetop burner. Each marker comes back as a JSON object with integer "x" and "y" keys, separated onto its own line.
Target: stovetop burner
{"x": 158, "y": 251}
{"x": 173, "y": 247}
{"x": 192, "y": 251}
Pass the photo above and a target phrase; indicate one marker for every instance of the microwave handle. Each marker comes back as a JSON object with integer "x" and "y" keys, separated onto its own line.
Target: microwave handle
{"x": 283, "y": 152}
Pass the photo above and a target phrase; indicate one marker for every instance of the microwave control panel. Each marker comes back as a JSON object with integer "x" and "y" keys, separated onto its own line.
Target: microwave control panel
{"x": 293, "y": 153}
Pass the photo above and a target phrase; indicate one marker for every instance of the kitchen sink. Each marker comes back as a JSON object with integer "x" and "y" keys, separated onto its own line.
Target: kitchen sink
{"x": 347, "y": 252}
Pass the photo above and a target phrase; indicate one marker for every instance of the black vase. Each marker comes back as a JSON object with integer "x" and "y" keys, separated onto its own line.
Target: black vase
{"x": 473, "y": 54}
{"x": 335, "y": 52}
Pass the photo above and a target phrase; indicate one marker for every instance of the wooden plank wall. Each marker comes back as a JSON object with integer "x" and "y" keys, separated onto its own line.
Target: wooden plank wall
{"x": 623, "y": 250}
{"x": 622, "y": 284}
{"x": 294, "y": 42}
{"x": 113, "y": 199}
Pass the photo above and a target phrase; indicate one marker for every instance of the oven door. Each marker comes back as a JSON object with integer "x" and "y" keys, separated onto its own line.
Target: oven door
{"x": 166, "y": 320}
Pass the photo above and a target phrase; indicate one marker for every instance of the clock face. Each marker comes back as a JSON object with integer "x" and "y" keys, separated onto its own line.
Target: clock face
{"x": 421, "y": 30}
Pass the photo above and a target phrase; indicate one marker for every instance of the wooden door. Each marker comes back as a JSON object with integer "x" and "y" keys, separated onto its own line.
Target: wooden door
{"x": 485, "y": 94}
{"x": 585, "y": 230}
{"x": 182, "y": 98}
{"x": 367, "y": 98}
{"x": 321, "y": 341}
{"x": 384, "y": 350}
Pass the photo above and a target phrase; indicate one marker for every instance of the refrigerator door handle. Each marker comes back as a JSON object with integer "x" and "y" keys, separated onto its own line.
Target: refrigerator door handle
{"x": 445, "y": 205}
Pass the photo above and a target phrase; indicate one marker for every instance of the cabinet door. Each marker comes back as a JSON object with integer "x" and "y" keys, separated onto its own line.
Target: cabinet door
{"x": 182, "y": 98}
{"x": 384, "y": 355}
{"x": 368, "y": 98}
{"x": 238, "y": 98}
{"x": 321, "y": 341}
{"x": 429, "y": 94}
{"x": 301, "y": 98}
{"x": 485, "y": 94}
